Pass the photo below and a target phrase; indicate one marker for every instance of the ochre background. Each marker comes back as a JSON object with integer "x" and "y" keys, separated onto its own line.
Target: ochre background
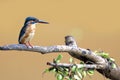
{"x": 95, "y": 24}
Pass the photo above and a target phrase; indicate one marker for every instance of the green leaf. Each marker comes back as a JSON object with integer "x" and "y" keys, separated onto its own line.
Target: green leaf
{"x": 59, "y": 57}
{"x": 51, "y": 69}
{"x": 81, "y": 62}
{"x": 84, "y": 74}
{"x": 59, "y": 77}
{"x": 114, "y": 65}
{"x": 73, "y": 68}
{"x": 80, "y": 75}
{"x": 76, "y": 77}
{"x": 90, "y": 72}
{"x": 66, "y": 69}
{"x": 104, "y": 55}
{"x": 46, "y": 70}
{"x": 111, "y": 59}
{"x": 54, "y": 70}
{"x": 69, "y": 78}
{"x": 57, "y": 60}
{"x": 71, "y": 60}
{"x": 65, "y": 73}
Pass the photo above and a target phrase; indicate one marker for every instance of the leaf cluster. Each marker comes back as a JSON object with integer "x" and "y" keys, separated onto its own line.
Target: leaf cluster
{"x": 69, "y": 73}
{"x": 106, "y": 56}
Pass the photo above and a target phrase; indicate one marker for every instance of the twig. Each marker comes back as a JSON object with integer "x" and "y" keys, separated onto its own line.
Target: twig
{"x": 90, "y": 66}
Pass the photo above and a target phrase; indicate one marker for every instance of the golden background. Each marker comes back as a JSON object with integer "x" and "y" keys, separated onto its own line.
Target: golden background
{"x": 95, "y": 24}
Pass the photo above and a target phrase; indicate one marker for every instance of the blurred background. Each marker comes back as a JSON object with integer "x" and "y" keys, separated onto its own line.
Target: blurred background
{"x": 95, "y": 24}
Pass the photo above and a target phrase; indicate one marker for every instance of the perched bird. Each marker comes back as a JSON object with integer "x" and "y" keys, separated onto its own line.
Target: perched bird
{"x": 28, "y": 30}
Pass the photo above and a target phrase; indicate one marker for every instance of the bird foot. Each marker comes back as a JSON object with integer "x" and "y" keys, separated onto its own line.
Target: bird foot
{"x": 28, "y": 45}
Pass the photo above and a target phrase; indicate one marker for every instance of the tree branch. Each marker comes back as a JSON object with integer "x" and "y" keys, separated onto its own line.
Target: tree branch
{"x": 76, "y": 52}
{"x": 90, "y": 66}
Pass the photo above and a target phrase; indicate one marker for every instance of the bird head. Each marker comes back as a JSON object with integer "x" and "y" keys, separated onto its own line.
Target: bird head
{"x": 33, "y": 20}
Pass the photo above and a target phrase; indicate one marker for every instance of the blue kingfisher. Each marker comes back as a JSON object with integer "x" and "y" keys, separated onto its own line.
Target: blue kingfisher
{"x": 28, "y": 30}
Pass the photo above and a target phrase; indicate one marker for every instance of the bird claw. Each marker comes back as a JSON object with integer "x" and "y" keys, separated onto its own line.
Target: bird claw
{"x": 28, "y": 45}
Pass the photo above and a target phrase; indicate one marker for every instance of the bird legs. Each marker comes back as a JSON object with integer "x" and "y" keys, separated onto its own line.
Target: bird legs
{"x": 28, "y": 44}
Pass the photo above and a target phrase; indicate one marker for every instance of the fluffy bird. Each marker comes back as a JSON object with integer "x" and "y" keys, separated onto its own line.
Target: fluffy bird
{"x": 28, "y": 30}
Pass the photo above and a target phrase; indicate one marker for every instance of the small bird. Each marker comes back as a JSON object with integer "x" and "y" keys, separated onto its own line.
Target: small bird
{"x": 28, "y": 30}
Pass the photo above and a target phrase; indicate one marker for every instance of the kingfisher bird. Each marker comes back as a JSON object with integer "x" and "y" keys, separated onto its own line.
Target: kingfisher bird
{"x": 28, "y": 30}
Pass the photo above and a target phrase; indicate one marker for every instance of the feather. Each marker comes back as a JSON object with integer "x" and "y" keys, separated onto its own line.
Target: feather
{"x": 22, "y": 32}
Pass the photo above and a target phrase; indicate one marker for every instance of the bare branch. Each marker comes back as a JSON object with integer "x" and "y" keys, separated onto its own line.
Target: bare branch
{"x": 90, "y": 66}
{"x": 39, "y": 49}
{"x": 76, "y": 52}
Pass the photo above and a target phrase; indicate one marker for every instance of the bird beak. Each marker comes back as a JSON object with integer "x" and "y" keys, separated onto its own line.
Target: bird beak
{"x": 44, "y": 22}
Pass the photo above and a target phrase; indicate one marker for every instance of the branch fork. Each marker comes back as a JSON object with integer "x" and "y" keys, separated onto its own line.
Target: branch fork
{"x": 99, "y": 63}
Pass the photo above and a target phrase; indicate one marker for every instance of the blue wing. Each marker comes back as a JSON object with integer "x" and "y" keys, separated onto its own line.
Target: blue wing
{"x": 22, "y": 32}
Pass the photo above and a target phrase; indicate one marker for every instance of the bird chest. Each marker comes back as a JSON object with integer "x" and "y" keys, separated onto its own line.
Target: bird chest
{"x": 31, "y": 28}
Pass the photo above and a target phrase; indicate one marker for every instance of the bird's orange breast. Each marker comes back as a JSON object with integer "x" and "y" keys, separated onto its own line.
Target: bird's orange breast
{"x": 29, "y": 33}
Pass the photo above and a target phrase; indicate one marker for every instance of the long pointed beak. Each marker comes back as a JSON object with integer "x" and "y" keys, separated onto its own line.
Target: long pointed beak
{"x": 44, "y": 22}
